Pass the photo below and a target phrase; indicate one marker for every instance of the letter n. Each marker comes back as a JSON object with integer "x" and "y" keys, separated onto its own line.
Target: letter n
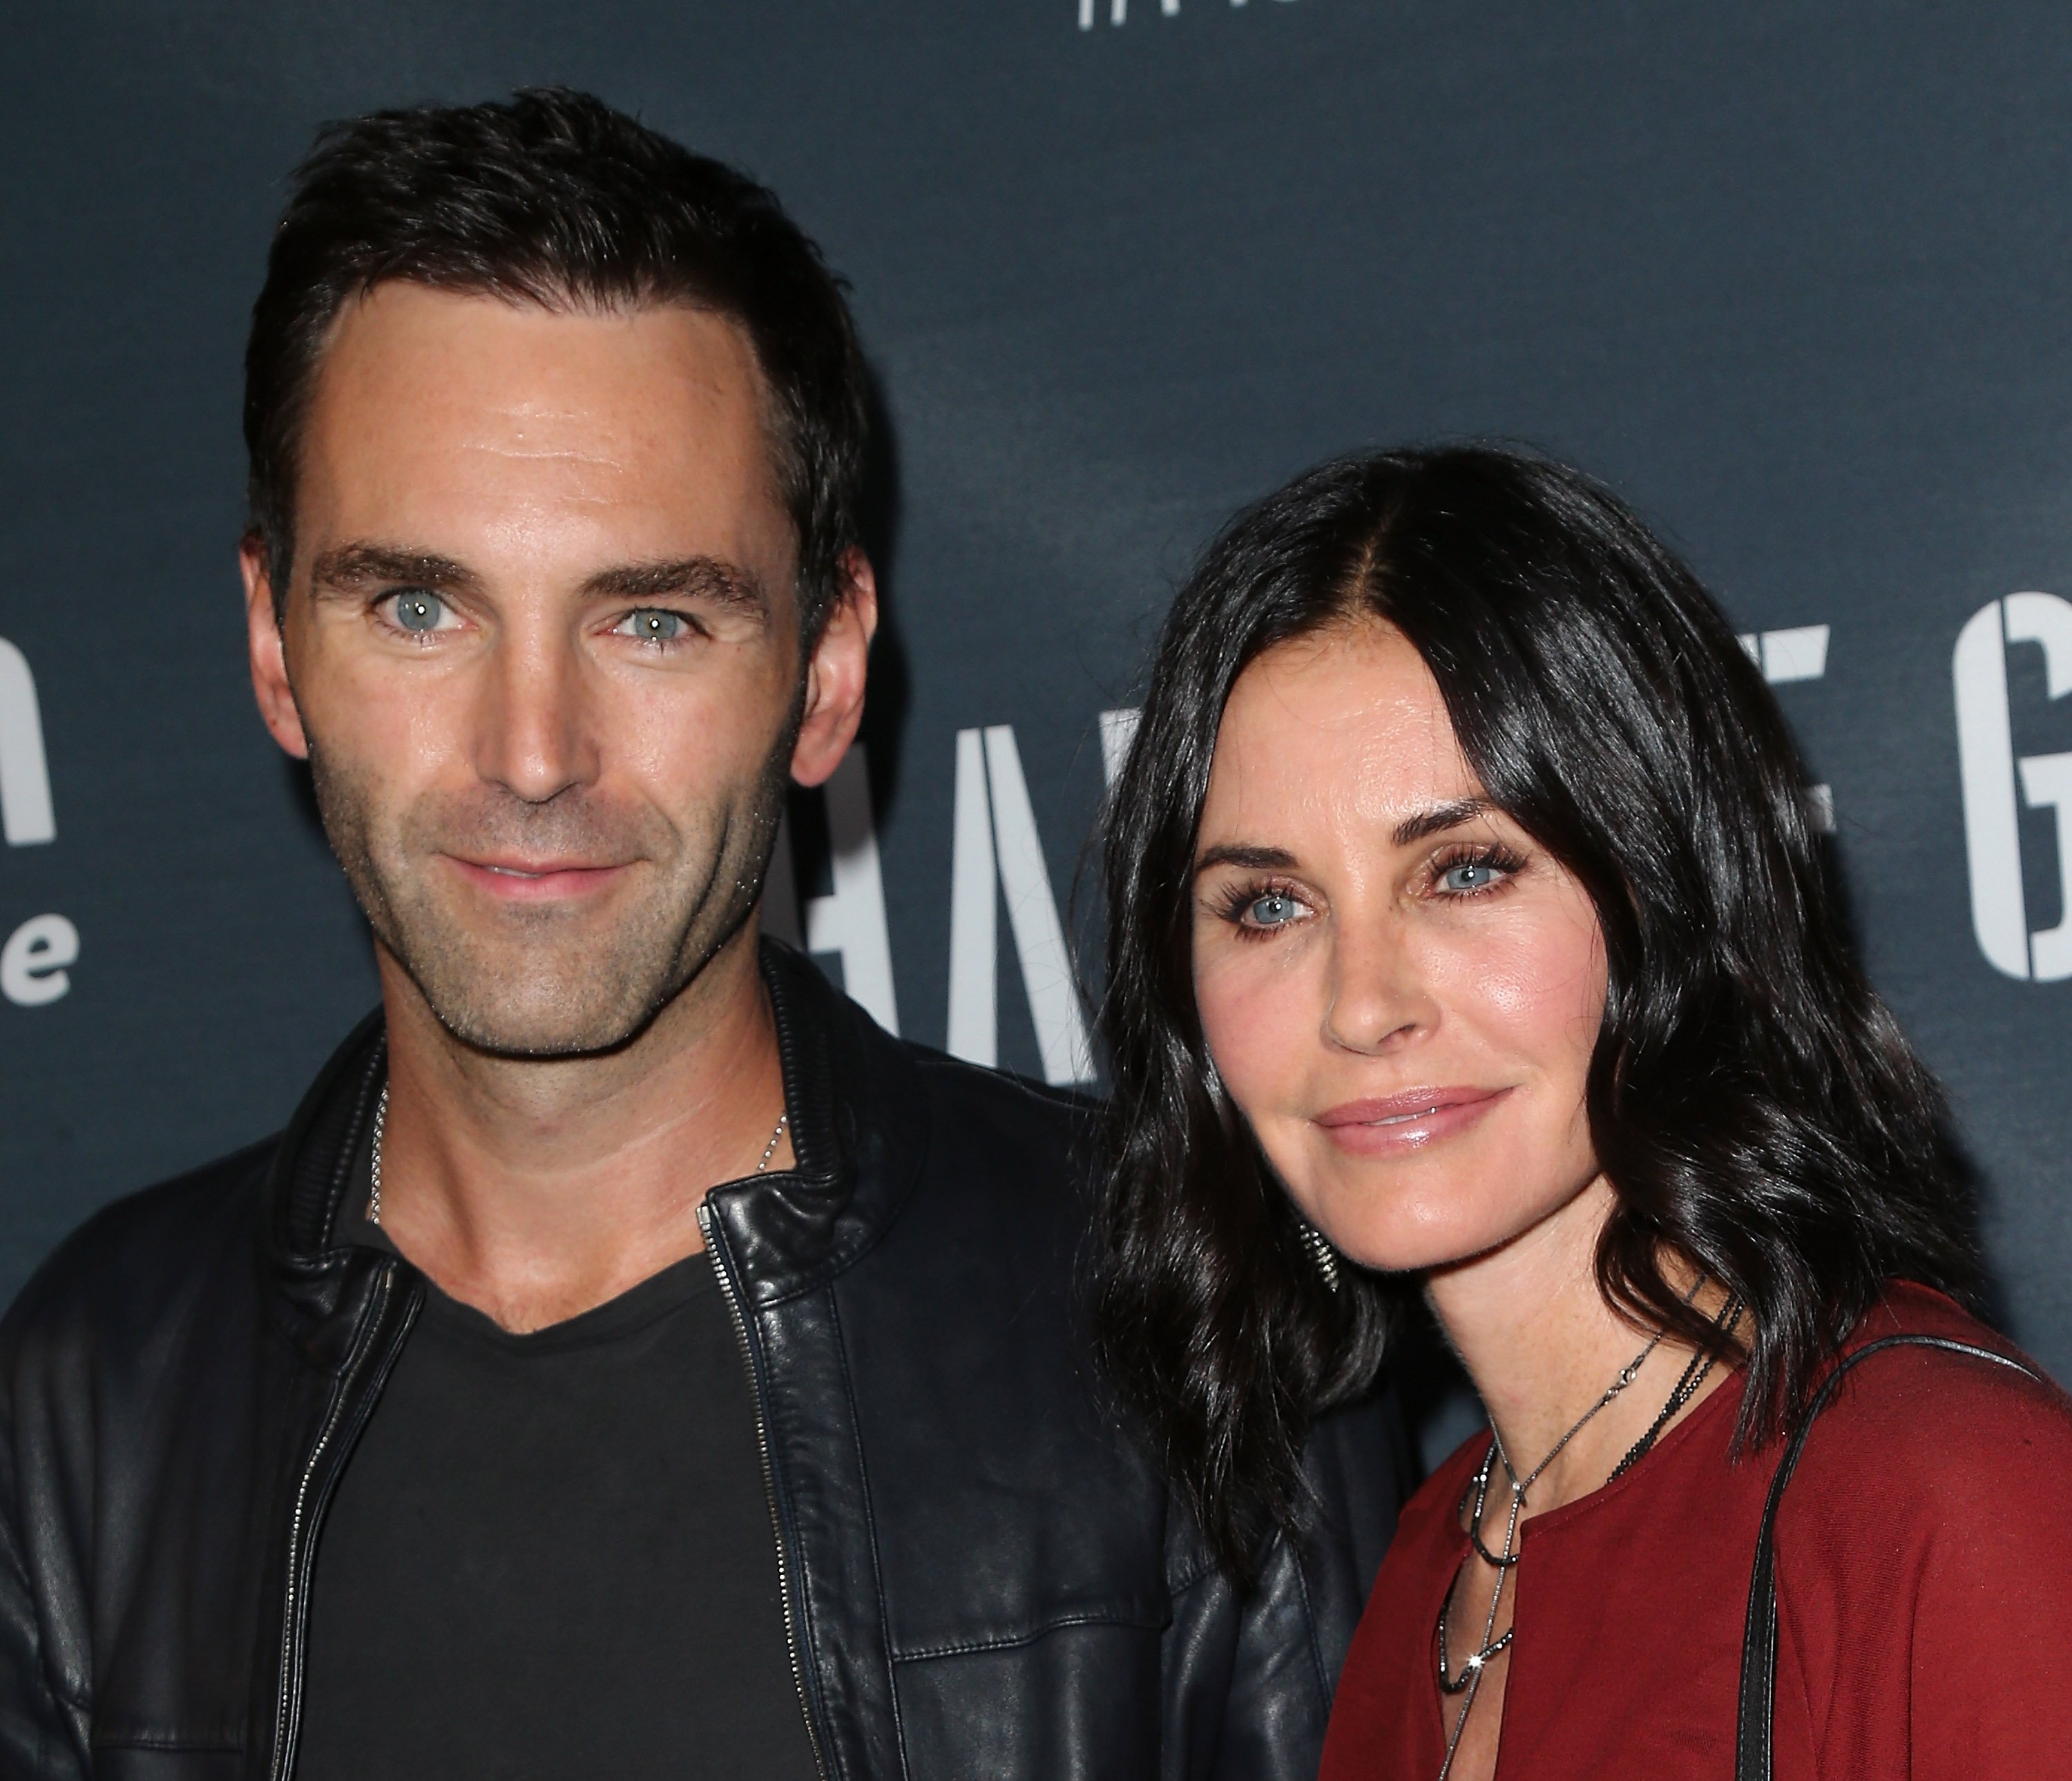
{"x": 26, "y": 816}
{"x": 996, "y": 852}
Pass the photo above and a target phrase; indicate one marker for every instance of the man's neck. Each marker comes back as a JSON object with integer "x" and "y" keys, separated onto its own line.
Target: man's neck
{"x": 537, "y": 1189}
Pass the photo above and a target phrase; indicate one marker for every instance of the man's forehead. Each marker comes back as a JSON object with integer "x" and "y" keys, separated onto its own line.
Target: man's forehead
{"x": 430, "y": 403}
{"x": 486, "y": 343}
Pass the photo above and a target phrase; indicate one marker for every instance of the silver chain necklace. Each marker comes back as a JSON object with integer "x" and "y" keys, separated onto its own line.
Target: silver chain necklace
{"x": 1469, "y": 1681}
{"x": 381, "y": 1124}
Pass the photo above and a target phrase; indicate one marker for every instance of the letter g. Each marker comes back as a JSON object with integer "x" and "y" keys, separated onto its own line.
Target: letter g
{"x": 1988, "y": 771}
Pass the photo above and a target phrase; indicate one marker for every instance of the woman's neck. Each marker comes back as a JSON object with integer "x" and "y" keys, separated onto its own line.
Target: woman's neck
{"x": 1543, "y": 1346}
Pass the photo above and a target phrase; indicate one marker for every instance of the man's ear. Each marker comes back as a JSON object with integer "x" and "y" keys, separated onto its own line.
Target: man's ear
{"x": 267, "y": 649}
{"x": 835, "y": 674}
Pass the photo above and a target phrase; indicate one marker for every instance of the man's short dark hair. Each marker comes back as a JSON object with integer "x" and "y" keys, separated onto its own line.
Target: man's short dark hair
{"x": 555, "y": 199}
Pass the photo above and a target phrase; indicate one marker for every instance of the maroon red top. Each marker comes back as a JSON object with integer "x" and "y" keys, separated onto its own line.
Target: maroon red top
{"x": 1924, "y": 1557}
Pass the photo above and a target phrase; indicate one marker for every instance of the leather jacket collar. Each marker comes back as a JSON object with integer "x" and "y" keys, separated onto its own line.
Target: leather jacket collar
{"x": 857, "y": 1154}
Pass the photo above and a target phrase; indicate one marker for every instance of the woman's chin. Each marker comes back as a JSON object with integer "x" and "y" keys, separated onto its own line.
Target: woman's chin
{"x": 1418, "y": 1248}
{"x": 1434, "y": 1229}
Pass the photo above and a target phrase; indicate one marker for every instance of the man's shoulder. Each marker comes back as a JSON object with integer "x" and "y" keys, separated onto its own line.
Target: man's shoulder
{"x": 1007, "y": 1129}
{"x": 128, "y": 1267}
{"x": 1000, "y": 1100}
{"x": 995, "y": 1166}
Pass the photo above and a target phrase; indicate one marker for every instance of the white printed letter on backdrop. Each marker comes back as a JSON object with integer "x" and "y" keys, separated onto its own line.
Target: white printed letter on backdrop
{"x": 1990, "y": 774}
{"x": 1799, "y": 653}
{"x": 32, "y": 963}
{"x": 26, "y": 816}
{"x": 1118, "y": 730}
{"x": 995, "y": 843}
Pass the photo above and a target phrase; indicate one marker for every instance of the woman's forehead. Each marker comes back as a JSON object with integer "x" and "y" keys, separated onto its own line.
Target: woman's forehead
{"x": 1348, "y": 721}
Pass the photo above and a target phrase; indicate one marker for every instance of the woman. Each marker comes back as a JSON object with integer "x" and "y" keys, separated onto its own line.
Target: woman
{"x": 1468, "y": 938}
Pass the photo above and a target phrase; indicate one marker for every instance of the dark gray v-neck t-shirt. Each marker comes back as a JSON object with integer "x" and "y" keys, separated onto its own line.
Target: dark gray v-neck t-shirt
{"x": 551, "y": 1556}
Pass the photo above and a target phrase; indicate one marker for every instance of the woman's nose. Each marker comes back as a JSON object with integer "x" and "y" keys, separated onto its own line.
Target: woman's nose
{"x": 1376, "y": 996}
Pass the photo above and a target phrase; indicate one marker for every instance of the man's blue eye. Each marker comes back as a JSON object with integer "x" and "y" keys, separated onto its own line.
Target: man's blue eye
{"x": 419, "y": 611}
{"x": 655, "y": 624}
{"x": 1469, "y": 875}
{"x": 1273, "y": 910}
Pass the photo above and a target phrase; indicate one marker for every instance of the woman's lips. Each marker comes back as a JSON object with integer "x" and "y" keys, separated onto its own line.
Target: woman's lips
{"x": 1417, "y": 1117}
{"x": 534, "y": 881}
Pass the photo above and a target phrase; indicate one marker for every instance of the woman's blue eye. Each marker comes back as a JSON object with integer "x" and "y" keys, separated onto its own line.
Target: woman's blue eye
{"x": 419, "y": 611}
{"x": 1469, "y": 875}
{"x": 1273, "y": 910}
{"x": 655, "y": 624}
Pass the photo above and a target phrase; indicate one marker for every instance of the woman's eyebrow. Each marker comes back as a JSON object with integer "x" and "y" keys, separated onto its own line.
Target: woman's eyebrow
{"x": 1420, "y": 826}
{"x": 1438, "y": 819}
{"x": 1257, "y": 859}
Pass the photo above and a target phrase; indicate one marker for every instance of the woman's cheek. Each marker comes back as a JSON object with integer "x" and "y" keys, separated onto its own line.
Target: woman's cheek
{"x": 1558, "y": 994}
{"x": 1251, "y": 1020}
{"x": 1534, "y": 985}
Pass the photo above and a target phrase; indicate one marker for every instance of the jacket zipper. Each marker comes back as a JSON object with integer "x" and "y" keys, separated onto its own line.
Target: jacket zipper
{"x": 731, "y": 1293}
{"x": 302, "y": 1543}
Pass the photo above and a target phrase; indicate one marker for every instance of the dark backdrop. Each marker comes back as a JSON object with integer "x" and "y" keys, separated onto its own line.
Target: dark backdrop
{"x": 1793, "y": 278}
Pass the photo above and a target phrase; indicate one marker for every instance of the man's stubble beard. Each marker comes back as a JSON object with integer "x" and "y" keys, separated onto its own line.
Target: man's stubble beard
{"x": 546, "y": 981}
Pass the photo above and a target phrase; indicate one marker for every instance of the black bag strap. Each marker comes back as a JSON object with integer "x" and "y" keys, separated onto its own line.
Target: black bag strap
{"x": 1758, "y": 1701}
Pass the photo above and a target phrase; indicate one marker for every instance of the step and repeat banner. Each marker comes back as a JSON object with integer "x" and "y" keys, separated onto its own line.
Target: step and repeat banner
{"x": 1793, "y": 279}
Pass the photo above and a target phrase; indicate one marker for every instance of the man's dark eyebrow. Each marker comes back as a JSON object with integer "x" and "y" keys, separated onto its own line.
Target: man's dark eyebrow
{"x": 1438, "y": 819}
{"x": 697, "y": 578}
{"x": 352, "y": 567}
{"x": 1255, "y": 859}
{"x": 348, "y": 568}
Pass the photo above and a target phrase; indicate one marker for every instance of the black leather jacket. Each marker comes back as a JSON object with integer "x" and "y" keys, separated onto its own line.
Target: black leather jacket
{"x": 981, "y": 1577}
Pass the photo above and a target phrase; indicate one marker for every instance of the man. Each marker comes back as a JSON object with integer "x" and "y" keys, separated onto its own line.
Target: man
{"x": 629, "y": 1361}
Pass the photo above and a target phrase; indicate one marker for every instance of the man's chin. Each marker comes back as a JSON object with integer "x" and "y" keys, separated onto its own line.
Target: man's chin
{"x": 532, "y": 1012}
{"x": 536, "y": 1037}
{"x": 558, "y": 987}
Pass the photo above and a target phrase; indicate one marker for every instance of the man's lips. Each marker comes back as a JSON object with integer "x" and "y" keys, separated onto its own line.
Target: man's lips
{"x": 1410, "y": 1121}
{"x": 514, "y": 880}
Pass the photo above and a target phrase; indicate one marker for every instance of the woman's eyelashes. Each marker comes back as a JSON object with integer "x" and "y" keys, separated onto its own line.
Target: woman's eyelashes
{"x": 1475, "y": 871}
{"x": 1259, "y": 908}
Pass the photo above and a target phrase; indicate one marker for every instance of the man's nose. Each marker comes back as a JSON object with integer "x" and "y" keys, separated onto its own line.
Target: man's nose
{"x": 535, "y": 734}
{"x": 1376, "y": 995}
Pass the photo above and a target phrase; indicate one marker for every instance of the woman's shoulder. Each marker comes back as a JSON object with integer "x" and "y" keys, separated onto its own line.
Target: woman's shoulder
{"x": 1963, "y": 1414}
{"x": 1921, "y": 1564}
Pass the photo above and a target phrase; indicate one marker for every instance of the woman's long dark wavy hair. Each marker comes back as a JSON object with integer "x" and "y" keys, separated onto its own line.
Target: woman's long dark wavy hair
{"x": 1753, "y": 1103}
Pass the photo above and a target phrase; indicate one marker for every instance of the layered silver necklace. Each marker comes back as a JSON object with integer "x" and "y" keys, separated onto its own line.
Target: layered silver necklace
{"x": 381, "y": 1123}
{"x": 1468, "y": 1681}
